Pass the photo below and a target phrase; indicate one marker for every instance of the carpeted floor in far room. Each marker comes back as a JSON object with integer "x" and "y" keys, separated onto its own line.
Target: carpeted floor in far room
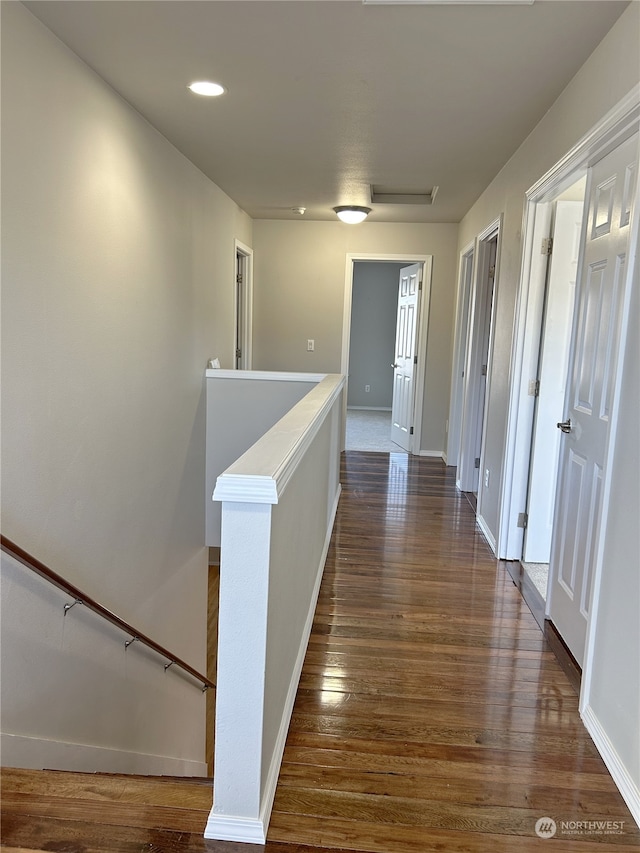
{"x": 370, "y": 429}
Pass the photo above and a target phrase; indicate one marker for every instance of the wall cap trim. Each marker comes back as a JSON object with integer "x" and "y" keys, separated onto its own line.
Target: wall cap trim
{"x": 262, "y": 474}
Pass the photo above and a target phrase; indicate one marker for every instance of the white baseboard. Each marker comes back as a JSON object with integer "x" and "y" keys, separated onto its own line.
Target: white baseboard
{"x": 369, "y": 408}
{"x": 226, "y": 828}
{"x": 488, "y": 535}
{"x": 37, "y": 753}
{"x": 619, "y": 773}
{"x": 435, "y": 454}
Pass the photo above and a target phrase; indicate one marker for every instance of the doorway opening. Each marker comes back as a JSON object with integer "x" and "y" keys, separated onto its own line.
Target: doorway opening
{"x": 561, "y": 250}
{"x": 462, "y": 335}
{"x": 587, "y": 426}
{"x": 370, "y": 325}
{"x": 471, "y": 476}
{"x": 243, "y": 307}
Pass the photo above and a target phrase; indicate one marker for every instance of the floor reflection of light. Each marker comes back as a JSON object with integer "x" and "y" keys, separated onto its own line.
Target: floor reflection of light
{"x": 331, "y": 695}
{"x": 333, "y": 699}
{"x": 396, "y": 504}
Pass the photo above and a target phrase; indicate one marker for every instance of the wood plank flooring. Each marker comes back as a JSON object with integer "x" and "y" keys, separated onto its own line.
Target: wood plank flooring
{"x": 431, "y": 715}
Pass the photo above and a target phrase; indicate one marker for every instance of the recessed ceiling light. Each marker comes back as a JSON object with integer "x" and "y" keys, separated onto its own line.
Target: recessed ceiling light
{"x": 204, "y": 87}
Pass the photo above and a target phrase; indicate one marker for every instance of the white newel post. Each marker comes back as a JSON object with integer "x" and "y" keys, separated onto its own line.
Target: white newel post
{"x": 244, "y": 596}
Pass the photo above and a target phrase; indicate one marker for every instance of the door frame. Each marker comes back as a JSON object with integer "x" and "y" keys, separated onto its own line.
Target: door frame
{"x": 421, "y": 331}
{"x": 246, "y": 320}
{"x": 537, "y": 462}
{"x": 465, "y": 475}
{"x": 461, "y": 338}
{"x": 613, "y": 129}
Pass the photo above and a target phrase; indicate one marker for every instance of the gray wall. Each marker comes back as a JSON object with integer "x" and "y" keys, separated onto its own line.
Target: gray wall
{"x": 117, "y": 286}
{"x": 374, "y": 303}
{"x": 607, "y": 76}
{"x": 615, "y": 679}
{"x": 299, "y": 293}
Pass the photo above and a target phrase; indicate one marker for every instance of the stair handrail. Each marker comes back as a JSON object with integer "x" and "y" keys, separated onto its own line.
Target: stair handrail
{"x": 80, "y": 597}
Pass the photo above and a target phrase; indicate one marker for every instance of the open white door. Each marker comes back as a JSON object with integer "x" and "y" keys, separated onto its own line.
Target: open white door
{"x": 586, "y": 426}
{"x": 405, "y": 355}
{"x": 552, "y": 378}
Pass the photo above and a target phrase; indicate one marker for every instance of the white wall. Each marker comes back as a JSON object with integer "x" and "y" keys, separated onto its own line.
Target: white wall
{"x": 374, "y": 305}
{"x": 610, "y": 72}
{"x": 117, "y": 285}
{"x": 299, "y": 282}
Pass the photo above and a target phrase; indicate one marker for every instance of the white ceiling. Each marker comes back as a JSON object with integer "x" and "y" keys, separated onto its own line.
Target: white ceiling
{"x": 325, "y": 98}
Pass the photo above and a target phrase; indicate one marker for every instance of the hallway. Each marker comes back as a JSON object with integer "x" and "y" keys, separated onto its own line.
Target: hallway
{"x": 431, "y": 714}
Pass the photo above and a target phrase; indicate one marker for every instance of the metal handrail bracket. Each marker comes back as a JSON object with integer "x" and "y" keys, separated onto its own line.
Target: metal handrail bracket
{"x": 79, "y": 597}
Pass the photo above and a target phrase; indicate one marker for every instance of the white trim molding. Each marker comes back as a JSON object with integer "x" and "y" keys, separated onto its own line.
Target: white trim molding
{"x": 619, "y": 773}
{"x": 423, "y": 323}
{"x": 246, "y": 252}
{"x": 38, "y": 753}
{"x": 614, "y": 127}
{"x": 262, "y": 473}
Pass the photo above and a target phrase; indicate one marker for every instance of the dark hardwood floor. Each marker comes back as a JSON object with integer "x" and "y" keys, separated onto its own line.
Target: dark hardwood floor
{"x": 432, "y": 714}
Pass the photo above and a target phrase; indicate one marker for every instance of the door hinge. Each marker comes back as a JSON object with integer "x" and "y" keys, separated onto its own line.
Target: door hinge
{"x": 534, "y": 387}
{"x": 239, "y": 278}
{"x": 476, "y": 463}
{"x": 238, "y": 353}
{"x": 415, "y": 359}
{"x": 492, "y": 271}
{"x": 523, "y": 518}
{"x": 411, "y": 431}
{"x": 483, "y": 370}
{"x": 547, "y": 246}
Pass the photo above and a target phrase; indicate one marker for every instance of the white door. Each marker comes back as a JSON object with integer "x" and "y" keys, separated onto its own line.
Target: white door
{"x": 552, "y": 376}
{"x": 485, "y": 341}
{"x": 611, "y": 190}
{"x": 405, "y": 355}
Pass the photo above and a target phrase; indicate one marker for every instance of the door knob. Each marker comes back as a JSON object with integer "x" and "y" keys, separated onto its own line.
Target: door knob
{"x": 395, "y": 366}
{"x": 565, "y": 426}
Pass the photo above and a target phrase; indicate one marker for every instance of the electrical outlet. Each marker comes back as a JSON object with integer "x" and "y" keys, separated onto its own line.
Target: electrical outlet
{"x": 311, "y": 345}
{"x": 367, "y": 388}
{"x": 486, "y": 478}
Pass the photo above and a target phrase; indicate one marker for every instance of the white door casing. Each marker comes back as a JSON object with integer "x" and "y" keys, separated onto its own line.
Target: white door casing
{"x": 463, "y": 304}
{"x": 405, "y": 356}
{"x": 482, "y": 379}
{"x": 243, "y": 307}
{"x": 477, "y": 367}
{"x": 552, "y": 378}
{"x": 595, "y": 346}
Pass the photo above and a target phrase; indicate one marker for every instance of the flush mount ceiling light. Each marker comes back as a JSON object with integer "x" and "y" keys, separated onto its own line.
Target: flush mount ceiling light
{"x": 351, "y": 213}
{"x": 206, "y": 88}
